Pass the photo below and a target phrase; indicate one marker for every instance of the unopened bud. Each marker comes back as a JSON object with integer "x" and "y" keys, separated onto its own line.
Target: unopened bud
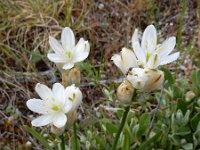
{"x": 57, "y": 131}
{"x": 155, "y": 80}
{"x": 125, "y": 92}
{"x": 71, "y": 118}
{"x": 189, "y": 96}
{"x": 28, "y": 145}
{"x": 146, "y": 80}
{"x": 74, "y": 76}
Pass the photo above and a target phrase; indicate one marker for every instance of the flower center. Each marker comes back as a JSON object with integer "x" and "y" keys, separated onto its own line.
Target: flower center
{"x": 68, "y": 53}
{"x": 55, "y": 108}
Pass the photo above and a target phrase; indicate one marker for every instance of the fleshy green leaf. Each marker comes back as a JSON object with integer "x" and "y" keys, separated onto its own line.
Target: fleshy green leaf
{"x": 38, "y": 136}
{"x": 144, "y": 123}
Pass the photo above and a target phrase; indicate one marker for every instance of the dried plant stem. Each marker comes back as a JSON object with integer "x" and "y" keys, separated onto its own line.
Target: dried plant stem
{"x": 155, "y": 111}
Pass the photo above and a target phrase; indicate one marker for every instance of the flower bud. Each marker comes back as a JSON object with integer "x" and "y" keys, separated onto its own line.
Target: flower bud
{"x": 125, "y": 92}
{"x": 28, "y": 145}
{"x": 146, "y": 80}
{"x": 189, "y": 96}
{"x": 74, "y": 76}
{"x": 57, "y": 131}
{"x": 71, "y": 118}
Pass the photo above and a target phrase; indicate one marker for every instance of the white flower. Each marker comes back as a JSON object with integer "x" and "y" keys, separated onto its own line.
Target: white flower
{"x": 146, "y": 80}
{"x": 54, "y": 104}
{"x": 125, "y": 60}
{"x": 66, "y": 52}
{"x": 151, "y": 55}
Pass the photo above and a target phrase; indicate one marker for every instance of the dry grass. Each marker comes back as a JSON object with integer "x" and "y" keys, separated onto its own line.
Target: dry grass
{"x": 108, "y": 25}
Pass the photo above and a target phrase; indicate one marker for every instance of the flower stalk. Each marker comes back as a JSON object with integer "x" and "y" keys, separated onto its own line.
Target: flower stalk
{"x": 122, "y": 123}
{"x": 75, "y": 137}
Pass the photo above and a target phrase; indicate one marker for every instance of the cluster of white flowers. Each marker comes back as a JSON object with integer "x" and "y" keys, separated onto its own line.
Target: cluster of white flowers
{"x": 55, "y": 105}
{"x": 143, "y": 61}
{"x": 145, "y": 58}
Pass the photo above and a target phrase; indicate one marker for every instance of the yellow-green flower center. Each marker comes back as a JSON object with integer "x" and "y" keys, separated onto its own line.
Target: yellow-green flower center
{"x": 55, "y": 108}
{"x": 68, "y": 53}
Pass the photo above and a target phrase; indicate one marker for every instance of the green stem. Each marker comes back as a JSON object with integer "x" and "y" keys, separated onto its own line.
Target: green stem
{"x": 62, "y": 145}
{"x": 121, "y": 127}
{"x": 125, "y": 114}
{"x": 75, "y": 137}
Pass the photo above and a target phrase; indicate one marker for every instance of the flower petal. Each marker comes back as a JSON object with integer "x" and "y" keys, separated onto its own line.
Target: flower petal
{"x": 167, "y": 46}
{"x": 137, "y": 78}
{"x": 153, "y": 62}
{"x": 37, "y": 105}
{"x": 67, "y": 39}
{"x": 68, "y": 66}
{"x": 67, "y": 106}
{"x": 59, "y": 93}
{"x": 135, "y": 37}
{"x": 60, "y": 120}
{"x": 81, "y": 50}
{"x": 74, "y": 94}
{"x": 149, "y": 39}
{"x": 55, "y": 45}
{"x": 42, "y": 121}
{"x": 129, "y": 59}
{"x": 56, "y": 58}
{"x": 43, "y": 91}
{"x": 170, "y": 58}
{"x": 117, "y": 60}
{"x": 139, "y": 52}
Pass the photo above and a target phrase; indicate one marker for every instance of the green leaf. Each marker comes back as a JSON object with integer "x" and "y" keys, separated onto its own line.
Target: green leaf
{"x": 196, "y": 82}
{"x": 195, "y": 121}
{"x": 38, "y": 136}
{"x": 72, "y": 141}
{"x": 126, "y": 144}
{"x": 36, "y": 57}
{"x": 149, "y": 141}
{"x": 110, "y": 128}
{"x": 187, "y": 146}
{"x": 144, "y": 123}
{"x": 169, "y": 80}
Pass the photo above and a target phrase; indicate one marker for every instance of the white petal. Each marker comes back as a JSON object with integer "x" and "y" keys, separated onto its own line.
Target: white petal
{"x": 139, "y": 52}
{"x": 167, "y": 46}
{"x": 59, "y": 93}
{"x": 128, "y": 58}
{"x": 153, "y": 62}
{"x": 37, "y": 105}
{"x": 67, "y": 39}
{"x": 74, "y": 94}
{"x": 68, "y": 66}
{"x": 117, "y": 60}
{"x": 42, "y": 121}
{"x": 43, "y": 91}
{"x": 55, "y": 45}
{"x": 56, "y": 58}
{"x": 60, "y": 120}
{"x": 67, "y": 106}
{"x": 137, "y": 78}
{"x": 81, "y": 50}
{"x": 149, "y": 39}
{"x": 170, "y": 58}
{"x": 135, "y": 37}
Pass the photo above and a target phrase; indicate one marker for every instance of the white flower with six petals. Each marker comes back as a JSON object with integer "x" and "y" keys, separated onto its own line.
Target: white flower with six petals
{"x": 66, "y": 52}
{"x": 54, "y": 104}
{"x": 149, "y": 54}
